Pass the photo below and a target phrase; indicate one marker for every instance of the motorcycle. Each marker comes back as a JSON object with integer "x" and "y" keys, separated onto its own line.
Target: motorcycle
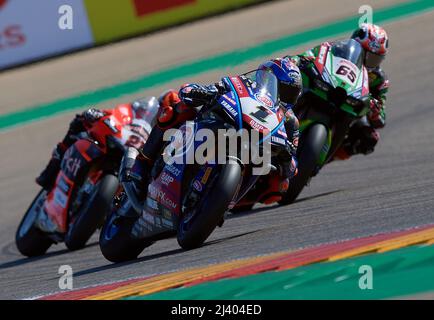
{"x": 336, "y": 94}
{"x": 189, "y": 200}
{"x": 86, "y": 183}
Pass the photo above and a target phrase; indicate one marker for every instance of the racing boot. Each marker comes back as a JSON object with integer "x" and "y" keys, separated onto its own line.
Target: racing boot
{"x": 361, "y": 140}
{"x": 152, "y": 148}
{"x": 48, "y": 176}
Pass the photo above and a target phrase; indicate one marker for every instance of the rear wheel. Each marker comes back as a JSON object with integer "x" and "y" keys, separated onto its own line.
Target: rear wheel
{"x": 309, "y": 152}
{"x": 195, "y": 227}
{"x": 92, "y": 213}
{"x": 29, "y": 239}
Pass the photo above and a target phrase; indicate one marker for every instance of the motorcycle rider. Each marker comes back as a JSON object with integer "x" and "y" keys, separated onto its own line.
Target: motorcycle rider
{"x": 178, "y": 107}
{"x": 363, "y": 135}
{"x": 78, "y": 125}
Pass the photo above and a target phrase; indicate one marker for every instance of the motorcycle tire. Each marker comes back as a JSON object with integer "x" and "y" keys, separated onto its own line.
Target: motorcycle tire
{"x": 116, "y": 242}
{"x": 31, "y": 241}
{"x": 311, "y": 144}
{"x": 92, "y": 213}
{"x": 212, "y": 208}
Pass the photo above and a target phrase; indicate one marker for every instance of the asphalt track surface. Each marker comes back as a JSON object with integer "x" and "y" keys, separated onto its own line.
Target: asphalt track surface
{"x": 389, "y": 190}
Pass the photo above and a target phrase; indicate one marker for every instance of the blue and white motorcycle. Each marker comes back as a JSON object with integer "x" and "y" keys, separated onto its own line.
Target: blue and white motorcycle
{"x": 189, "y": 198}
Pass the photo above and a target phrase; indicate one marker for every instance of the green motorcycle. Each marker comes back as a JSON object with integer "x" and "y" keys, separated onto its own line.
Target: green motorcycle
{"x": 336, "y": 93}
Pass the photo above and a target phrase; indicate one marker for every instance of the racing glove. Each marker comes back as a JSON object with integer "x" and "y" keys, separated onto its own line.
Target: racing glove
{"x": 197, "y": 95}
{"x": 91, "y": 115}
{"x": 376, "y": 114}
{"x": 77, "y": 125}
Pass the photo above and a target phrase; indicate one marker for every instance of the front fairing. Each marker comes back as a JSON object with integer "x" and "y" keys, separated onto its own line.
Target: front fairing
{"x": 340, "y": 81}
{"x": 254, "y": 108}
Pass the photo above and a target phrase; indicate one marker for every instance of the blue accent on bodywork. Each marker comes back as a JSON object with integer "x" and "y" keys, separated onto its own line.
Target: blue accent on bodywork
{"x": 238, "y": 106}
{"x": 229, "y": 105}
{"x": 273, "y": 131}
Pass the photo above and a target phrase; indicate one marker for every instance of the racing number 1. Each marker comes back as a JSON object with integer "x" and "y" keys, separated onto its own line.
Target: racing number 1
{"x": 261, "y": 114}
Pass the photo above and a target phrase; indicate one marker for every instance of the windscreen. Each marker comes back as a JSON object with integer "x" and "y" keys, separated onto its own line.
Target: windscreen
{"x": 265, "y": 83}
{"x": 146, "y": 109}
{"x": 350, "y": 50}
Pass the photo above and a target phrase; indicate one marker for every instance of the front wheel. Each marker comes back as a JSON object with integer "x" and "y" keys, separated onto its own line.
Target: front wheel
{"x": 29, "y": 239}
{"x": 116, "y": 241}
{"x": 195, "y": 228}
{"x": 311, "y": 145}
{"x": 92, "y": 213}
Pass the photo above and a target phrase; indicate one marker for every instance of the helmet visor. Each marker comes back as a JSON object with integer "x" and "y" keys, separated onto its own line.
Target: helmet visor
{"x": 373, "y": 60}
{"x": 288, "y": 92}
{"x": 145, "y": 109}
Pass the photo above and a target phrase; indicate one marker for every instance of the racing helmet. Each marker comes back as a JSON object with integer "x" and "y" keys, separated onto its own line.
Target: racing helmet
{"x": 375, "y": 41}
{"x": 289, "y": 79}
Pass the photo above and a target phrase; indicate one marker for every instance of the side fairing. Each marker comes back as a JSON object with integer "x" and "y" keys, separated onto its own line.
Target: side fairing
{"x": 59, "y": 199}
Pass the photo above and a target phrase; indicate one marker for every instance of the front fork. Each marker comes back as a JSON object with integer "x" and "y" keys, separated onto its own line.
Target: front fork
{"x": 86, "y": 190}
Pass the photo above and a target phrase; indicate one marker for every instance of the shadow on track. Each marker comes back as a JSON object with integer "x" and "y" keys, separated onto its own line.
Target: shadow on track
{"x": 253, "y": 211}
{"x": 154, "y": 256}
{"x": 275, "y": 206}
{"x": 23, "y": 261}
{"x": 316, "y": 196}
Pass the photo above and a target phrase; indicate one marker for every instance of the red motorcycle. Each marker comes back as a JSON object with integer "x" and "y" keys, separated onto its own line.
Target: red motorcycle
{"x": 87, "y": 182}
